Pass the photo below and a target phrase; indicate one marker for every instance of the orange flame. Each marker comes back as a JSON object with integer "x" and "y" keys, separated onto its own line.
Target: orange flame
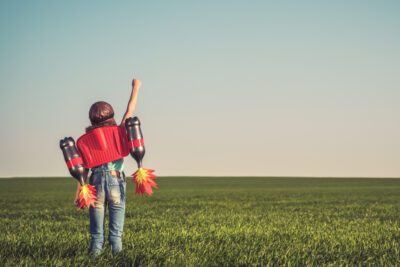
{"x": 144, "y": 181}
{"x": 87, "y": 196}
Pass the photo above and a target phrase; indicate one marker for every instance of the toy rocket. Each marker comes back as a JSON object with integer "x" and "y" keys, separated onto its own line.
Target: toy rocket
{"x": 142, "y": 177}
{"x": 87, "y": 195}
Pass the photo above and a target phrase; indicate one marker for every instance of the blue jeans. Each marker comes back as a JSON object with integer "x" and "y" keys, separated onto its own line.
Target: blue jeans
{"x": 110, "y": 190}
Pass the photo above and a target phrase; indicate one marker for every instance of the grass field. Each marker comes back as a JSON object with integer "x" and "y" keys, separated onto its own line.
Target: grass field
{"x": 207, "y": 221}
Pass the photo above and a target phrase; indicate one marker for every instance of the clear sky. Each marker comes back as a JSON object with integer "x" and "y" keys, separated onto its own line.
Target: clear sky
{"x": 266, "y": 88}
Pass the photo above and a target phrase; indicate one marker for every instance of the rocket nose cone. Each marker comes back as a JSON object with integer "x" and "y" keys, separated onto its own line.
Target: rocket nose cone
{"x": 67, "y": 141}
{"x": 64, "y": 142}
{"x": 136, "y": 121}
{"x": 132, "y": 121}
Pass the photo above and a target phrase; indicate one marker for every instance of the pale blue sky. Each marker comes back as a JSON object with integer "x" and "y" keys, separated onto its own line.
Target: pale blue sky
{"x": 286, "y": 88}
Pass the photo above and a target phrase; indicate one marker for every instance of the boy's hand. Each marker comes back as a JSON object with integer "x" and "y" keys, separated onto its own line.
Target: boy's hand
{"x": 76, "y": 201}
{"x": 136, "y": 83}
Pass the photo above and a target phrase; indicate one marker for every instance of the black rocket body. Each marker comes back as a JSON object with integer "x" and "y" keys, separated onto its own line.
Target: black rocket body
{"x": 135, "y": 139}
{"x": 73, "y": 160}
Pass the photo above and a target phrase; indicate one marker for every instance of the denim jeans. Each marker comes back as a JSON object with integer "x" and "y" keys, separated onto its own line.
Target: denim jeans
{"x": 110, "y": 191}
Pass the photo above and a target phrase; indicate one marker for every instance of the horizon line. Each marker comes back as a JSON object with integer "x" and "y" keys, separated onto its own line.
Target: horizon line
{"x": 223, "y": 176}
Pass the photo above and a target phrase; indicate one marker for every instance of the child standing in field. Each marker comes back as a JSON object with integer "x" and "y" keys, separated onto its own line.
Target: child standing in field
{"x": 109, "y": 181}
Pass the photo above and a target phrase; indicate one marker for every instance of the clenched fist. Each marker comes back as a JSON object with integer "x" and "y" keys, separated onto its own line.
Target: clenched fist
{"x": 136, "y": 83}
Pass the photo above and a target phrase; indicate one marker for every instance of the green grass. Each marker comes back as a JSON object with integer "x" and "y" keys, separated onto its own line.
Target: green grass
{"x": 206, "y": 221}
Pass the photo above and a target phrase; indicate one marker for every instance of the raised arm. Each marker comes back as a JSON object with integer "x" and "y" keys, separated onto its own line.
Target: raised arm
{"x": 132, "y": 101}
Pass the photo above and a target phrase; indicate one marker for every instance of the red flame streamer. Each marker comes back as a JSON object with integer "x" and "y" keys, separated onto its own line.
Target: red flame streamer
{"x": 87, "y": 196}
{"x": 144, "y": 181}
